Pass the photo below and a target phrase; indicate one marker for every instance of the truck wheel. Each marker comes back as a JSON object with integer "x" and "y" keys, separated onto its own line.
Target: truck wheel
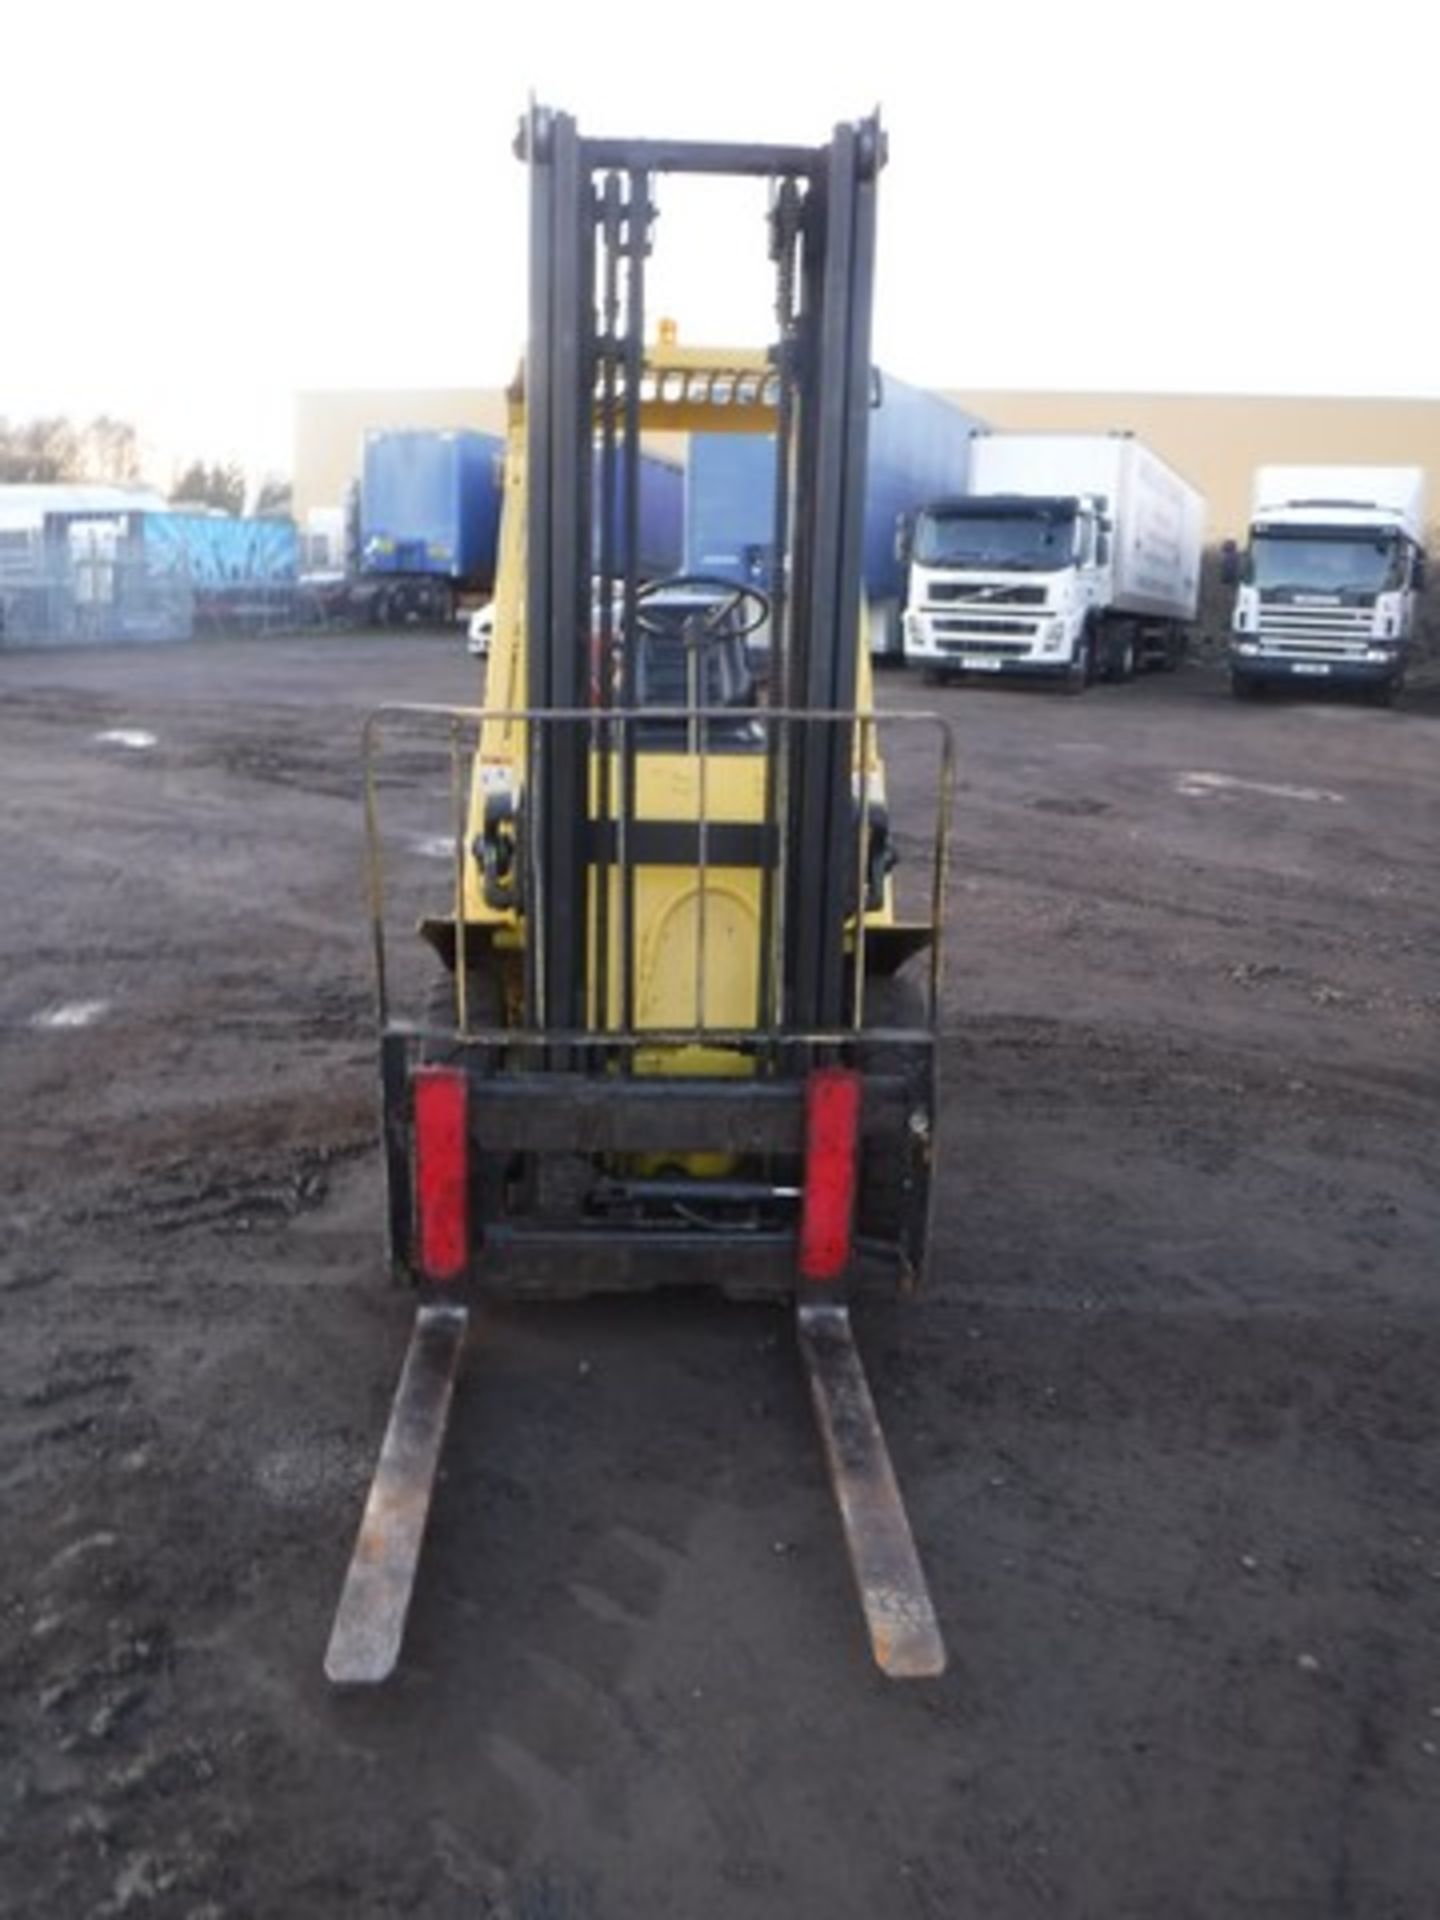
{"x": 1125, "y": 666}
{"x": 1092, "y": 653}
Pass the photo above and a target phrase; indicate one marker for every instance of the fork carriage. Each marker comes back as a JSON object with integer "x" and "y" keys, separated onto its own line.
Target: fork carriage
{"x": 666, "y": 1137}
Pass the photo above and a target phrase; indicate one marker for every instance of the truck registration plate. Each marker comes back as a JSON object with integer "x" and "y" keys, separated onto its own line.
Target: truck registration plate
{"x": 1309, "y": 666}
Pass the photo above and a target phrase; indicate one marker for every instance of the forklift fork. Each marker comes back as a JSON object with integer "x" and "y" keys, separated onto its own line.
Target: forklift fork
{"x": 904, "y": 1633}
{"x": 370, "y": 1620}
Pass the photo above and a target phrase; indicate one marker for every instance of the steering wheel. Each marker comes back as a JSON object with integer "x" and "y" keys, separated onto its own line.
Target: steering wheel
{"x": 713, "y": 623}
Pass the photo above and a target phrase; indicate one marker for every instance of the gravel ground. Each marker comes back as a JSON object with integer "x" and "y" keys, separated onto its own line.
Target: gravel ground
{"x": 1167, "y": 1417}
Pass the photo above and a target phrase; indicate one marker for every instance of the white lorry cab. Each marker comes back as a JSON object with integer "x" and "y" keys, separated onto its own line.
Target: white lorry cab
{"x": 1328, "y": 584}
{"x": 1073, "y": 556}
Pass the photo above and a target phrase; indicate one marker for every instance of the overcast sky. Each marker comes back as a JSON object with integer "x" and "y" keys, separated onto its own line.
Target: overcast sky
{"x": 209, "y": 206}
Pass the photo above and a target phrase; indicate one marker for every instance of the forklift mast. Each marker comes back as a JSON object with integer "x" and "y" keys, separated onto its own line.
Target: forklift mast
{"x": 592, "y": 218}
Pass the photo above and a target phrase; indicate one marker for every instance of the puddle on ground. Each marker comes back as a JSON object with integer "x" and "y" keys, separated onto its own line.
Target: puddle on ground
{"x": 434, "y": 846}
{"x": 135, "y": 738}
{"x": 70, "y": 1013}
{"x": 1196, "y": 784}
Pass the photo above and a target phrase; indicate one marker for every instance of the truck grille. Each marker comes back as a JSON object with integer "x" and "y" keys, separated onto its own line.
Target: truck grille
{"x": 946, "y": 627}
{"x": 1329, "y": 632}
{"x": 942, "y": 590}
{"x": 974, "y": 644}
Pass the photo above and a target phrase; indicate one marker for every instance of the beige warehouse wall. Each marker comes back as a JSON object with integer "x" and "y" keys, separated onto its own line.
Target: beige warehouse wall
{"x": 1215, "y": 440}
{"x": 1218, "y": 440}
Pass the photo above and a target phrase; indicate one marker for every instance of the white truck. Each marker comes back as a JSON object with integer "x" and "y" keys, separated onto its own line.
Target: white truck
{"x": 1328, "y": 585}
{"x": 1073, "y": 556}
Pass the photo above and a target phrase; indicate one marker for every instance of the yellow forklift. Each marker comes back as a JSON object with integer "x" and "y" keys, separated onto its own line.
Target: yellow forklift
{"x": 672, "y": 1042}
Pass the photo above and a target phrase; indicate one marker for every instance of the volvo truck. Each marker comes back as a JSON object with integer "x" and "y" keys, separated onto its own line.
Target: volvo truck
{"x": 1329, "y": 581}
{"x": 1072, "y": 557}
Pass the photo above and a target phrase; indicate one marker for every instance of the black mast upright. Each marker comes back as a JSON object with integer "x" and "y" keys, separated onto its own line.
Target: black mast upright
{"x": 573, "y": 360}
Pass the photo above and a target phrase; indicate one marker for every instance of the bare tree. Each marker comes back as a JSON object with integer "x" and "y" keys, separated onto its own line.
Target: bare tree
{"x": 276, "y": 499}
{"x": 110, "y": 451}
{"x": 217, "y": 486}
{"x": 54, "y": 450}
{"x": 39, "y": 451}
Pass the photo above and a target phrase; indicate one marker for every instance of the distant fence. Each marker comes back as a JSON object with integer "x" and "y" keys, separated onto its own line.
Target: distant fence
{"x": 145, "y": 578}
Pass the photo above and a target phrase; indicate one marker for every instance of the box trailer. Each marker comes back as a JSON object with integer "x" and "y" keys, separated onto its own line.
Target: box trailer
{"x": 1328, "y": 587}
{"x": 918, "y": 447}
{"x": 661, "y": 543}
{"x": 429, "y": 519}
{"x": 1073, "y": 555}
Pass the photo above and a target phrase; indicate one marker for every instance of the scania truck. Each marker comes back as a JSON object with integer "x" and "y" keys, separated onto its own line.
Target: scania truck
{"x": 1073, "y": 556}
{"x": 1328, "y": 584}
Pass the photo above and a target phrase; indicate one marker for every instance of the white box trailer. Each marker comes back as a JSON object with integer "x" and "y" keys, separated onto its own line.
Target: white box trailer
{"x": 1073, "y": 555}
{"x": 1329, "y": 585}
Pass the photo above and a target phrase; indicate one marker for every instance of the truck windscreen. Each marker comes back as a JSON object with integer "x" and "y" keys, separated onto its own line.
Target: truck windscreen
{"x": 1025, "y": 542}
{"x": 1325, "y": 563}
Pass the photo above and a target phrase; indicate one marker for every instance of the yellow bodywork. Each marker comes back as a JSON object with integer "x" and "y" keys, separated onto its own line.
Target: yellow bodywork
{"x": 697, "y": 948}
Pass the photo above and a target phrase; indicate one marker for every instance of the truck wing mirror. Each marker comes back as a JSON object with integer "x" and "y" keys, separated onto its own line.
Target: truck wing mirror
{"x": 1230, "y": 564}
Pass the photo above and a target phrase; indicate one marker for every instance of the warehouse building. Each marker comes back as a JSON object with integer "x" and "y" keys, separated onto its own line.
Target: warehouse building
{"x": 1215, "y": 440}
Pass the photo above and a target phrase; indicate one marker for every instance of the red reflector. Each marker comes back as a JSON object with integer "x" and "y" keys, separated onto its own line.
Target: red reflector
{"x": 442, "y": 1195}
{"x": 832, "y": 1139}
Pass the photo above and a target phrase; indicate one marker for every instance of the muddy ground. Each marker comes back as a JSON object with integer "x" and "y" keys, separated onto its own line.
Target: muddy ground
{"x": 1169, "y": 1418}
